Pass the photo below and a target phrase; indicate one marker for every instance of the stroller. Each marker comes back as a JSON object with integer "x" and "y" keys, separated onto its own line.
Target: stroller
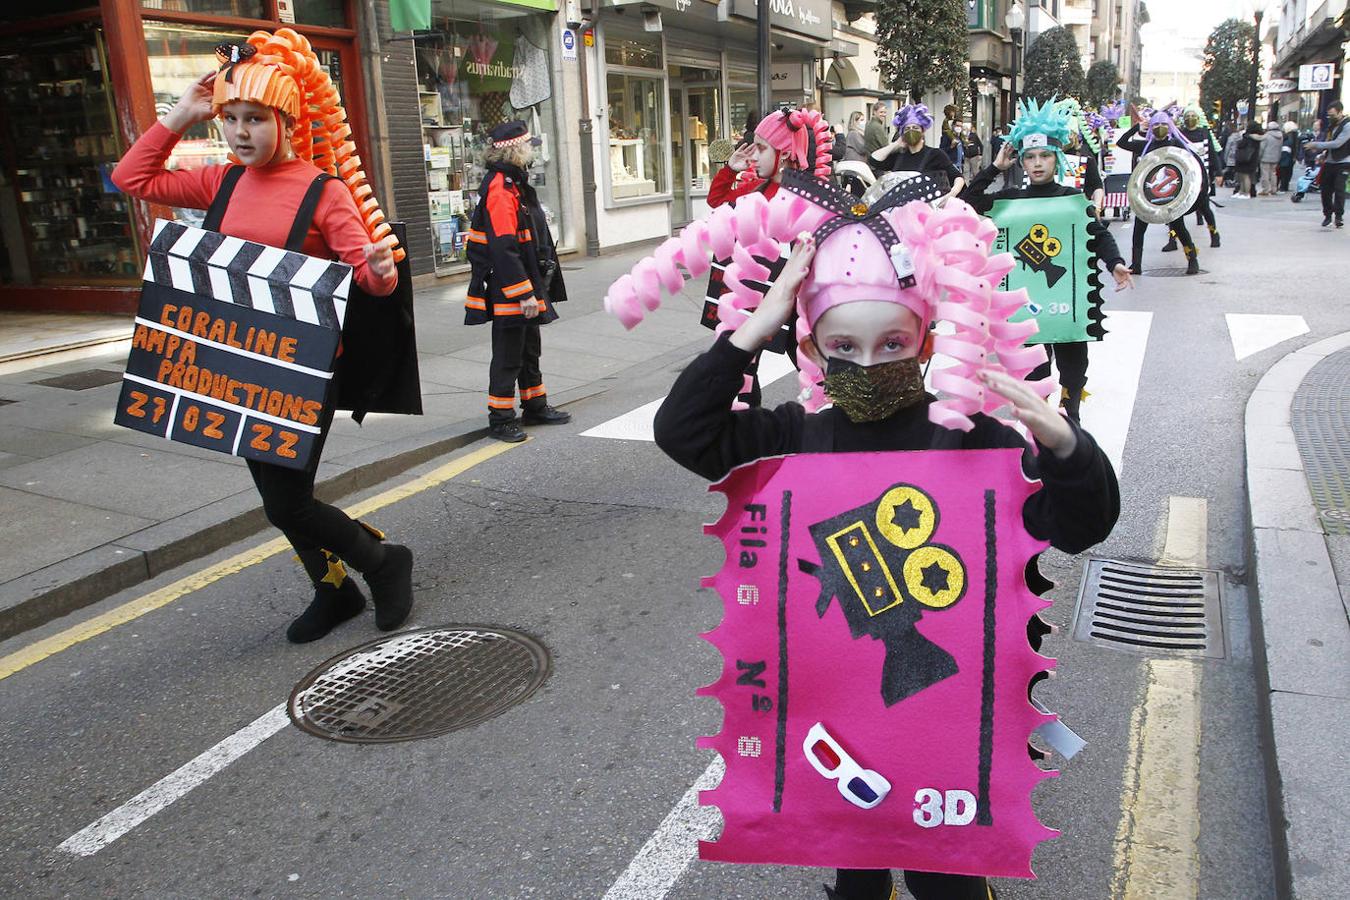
{"x": 1310, "y": 180}
{"x": 854, "y": 177}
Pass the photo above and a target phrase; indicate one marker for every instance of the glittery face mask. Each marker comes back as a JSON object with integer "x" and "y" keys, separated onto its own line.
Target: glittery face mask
{"x": 872, "y": 393}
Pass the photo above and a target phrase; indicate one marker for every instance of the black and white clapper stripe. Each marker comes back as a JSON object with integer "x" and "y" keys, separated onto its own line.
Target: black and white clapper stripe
{"x": 246, "y": 273}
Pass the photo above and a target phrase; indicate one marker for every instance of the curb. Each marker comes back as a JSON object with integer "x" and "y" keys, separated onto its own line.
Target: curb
{"x": 1300, "y": 624}
{"x": 64, "y": 587}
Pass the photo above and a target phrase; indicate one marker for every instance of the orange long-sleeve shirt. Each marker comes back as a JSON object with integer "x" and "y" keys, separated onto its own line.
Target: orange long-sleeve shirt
{"x": 262, "y": 207}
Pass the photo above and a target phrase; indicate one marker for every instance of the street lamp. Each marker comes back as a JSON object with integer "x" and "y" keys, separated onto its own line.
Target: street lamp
{"x": 1015, "y": 19}
{"x": 1256, "y": 65}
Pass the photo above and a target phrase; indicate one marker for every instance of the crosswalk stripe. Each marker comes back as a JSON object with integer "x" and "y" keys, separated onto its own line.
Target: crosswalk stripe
{"x": 1252, "y": 333}
{"x": 1114, "y": 368}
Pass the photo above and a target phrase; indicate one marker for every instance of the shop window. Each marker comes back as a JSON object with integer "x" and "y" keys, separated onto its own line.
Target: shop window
{"x": 179, "y": 55}
{"x": 247, "y": 9}
{"x": 321, "y": 12}
{"x": 643, "y": 52}
{"x": 63, "y": 222}
{"x": 637, "y": 162}
{"x": 475, "y": 71}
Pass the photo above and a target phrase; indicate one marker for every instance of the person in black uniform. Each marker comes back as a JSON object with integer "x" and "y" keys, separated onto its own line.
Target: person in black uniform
{"x": 869, "y": 349}
{"x": 1162, "y": 132}
{"x": 908, "y": 153}
{"x": 514, "y": 282}
{"x": 1202, "y": 143}
{"x": 1040, "y": 164}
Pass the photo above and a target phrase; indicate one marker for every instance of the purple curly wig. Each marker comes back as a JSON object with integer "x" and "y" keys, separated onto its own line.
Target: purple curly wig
{"x": 914, "y": 114}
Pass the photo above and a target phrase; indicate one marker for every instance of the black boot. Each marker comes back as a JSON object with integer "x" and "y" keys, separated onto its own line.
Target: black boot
{"x": 509, "y": 431}
{"x": 1171, "y": 242}
{"x": 336, "y": 597}
{"x": 1071, "y": 401}
{"x": 1135, "y": 268}
{"x": 544, "y": 415}
{"x": 1213, "y": 236}
{"x": 862, "y": 885}
{"x": 390, "y": 580}
{"x": 1192, "y": 261}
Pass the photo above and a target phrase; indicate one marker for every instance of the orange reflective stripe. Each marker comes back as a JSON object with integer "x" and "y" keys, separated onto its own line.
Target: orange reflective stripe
{"x": 525, "y": 235}
{"x": 506, "y": 309}
{"x": 518, "y": 289}
{"x": 531, "y": 393}
{"x": 542, "y": 306}
{"x": 478, "y": 237}
{"x": 475, "y": 303}
{"x": 501, "y": 402}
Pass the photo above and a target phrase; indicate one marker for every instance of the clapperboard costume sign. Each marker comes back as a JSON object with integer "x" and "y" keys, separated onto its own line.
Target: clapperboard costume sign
{"x": 234, "y": 345}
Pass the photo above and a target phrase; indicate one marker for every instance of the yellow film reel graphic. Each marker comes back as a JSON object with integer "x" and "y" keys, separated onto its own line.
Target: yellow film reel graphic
{"x": 906, "y": 517}
{"x": 934, "y": 576}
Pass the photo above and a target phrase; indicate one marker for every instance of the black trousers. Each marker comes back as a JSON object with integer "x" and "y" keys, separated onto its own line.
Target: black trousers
{"x": 1333, "y": 189}
{"x": 516, "y": 347}
{"x": 1072, "y": 361}
{"x": 869, "y": 884}
{"x": 1140, "y": 226}
{"x": 1204, "y": 210}
{"x": 308, "y": 523}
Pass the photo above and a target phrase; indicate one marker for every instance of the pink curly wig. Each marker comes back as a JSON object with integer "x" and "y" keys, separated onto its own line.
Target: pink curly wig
{"x": 955, "y": 281}
{"x": 801, "y": 136}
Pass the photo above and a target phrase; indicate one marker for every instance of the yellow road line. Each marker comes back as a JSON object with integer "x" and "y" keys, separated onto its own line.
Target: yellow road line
{"x": 134, "y": 609}
{"x": 1157, "y": 841}
{"x": 1187, "y": 540}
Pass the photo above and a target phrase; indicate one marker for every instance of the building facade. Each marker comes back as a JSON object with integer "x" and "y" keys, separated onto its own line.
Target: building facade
{"x": 1309, "y": 40}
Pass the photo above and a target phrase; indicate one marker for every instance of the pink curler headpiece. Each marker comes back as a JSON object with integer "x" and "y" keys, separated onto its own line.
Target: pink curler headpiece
{"x": 801, "y": 135}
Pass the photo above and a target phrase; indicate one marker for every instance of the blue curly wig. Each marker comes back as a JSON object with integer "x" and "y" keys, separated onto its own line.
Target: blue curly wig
{"x": 1042, "y": 126}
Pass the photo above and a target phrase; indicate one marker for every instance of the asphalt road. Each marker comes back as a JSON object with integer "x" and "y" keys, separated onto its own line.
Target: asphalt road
{"x": 595, "y": 547}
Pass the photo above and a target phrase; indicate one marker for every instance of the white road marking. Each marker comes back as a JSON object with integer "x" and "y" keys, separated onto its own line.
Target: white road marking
{"x": 1114, "y": 367}
{"x": 171, "y": 788}
{"x": 1254, "y": 333}
{"x": 636, "y": 425}
{"x": 674, "y": 844}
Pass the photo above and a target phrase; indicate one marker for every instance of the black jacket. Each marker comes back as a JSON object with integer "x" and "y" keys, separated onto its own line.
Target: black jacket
{"x": 511, "y": 253}
{"x": 1076, "y": 508}
{"x": 975, "y": 194}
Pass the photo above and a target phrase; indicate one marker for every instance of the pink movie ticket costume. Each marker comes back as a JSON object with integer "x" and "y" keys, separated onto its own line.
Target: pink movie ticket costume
{"x": 881, "y": 596}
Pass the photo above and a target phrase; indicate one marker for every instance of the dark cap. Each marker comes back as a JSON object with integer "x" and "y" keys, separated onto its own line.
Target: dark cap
{"x": 509, "y": 134}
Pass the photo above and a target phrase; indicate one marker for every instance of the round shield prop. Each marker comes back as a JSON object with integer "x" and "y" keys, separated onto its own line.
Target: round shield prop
{"x": 1165, "y": 185}
{"x": 915, "y": 187}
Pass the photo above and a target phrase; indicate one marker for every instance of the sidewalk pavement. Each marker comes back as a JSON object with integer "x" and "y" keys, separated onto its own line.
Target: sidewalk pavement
{"x": 1298, "y": 485}
{"x": 94, "y": 508}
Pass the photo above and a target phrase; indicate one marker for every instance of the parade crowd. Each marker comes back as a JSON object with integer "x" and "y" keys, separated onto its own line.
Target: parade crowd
{"x": 897, "y": 250}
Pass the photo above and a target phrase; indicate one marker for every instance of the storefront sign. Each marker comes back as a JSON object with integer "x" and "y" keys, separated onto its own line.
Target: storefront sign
{"x": 569, "y": 44}
{"x": 809, "y": 17}
{"x": 788, "y": 76}
{"x": 1280, "y": 86}
{"x": 1316, "y": 77}
{"x": 234, "y": 345}
{"x": 286, "y": 11}
{"x": 489, "y": 64}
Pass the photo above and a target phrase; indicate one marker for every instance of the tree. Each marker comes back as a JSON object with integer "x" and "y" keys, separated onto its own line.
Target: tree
{"x": 1053, "y": 66}
{"x": 1226, "y": 74}
{"x": 922, "y": 47}
{"x": 1103, "y": 83}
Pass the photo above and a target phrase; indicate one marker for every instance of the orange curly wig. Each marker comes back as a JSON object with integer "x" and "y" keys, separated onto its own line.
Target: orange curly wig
{"x": 284, "y": 74}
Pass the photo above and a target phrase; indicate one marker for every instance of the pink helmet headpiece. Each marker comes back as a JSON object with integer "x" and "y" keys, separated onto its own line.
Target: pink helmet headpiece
{"x": 944, "y": 252}
{"x": 802, "y": 135}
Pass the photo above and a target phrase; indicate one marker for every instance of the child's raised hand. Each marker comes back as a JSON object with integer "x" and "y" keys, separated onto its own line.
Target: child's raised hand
{"x": 777, "y": 306}
{"x": 1049, "y": 428}
{"x": 194, "y": 106}
{"x": 1121, "y": 274}
{"x": 1006, "y": 157}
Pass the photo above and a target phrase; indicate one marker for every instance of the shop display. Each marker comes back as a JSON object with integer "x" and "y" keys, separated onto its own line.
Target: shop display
{"x": 59, "y": 129}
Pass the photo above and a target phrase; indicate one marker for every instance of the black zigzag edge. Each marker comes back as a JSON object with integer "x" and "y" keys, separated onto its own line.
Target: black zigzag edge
{"x": 1096, "y": 329}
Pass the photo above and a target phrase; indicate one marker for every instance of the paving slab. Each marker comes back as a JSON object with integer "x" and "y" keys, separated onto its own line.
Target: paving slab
{"x": 1311, "y": 734}
{"x": 45, "y": 530}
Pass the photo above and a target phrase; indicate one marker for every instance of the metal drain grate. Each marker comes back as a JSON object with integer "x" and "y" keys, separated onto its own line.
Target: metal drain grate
{"x": 1320, "y": 419}
{"x": 419, "y": 684}
{"x": 82, "y": 381}
{"x": 1171, "y": 273}
{"x": 1149, "y": 609}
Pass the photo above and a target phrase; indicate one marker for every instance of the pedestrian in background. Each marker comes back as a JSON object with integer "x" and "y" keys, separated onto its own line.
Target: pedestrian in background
{"x": 1271, "y": 144}
{"x": 1289, "y": 152}
{"x": 1335, "y": 165}
{"x": 855, "y": 139}
{"x": 1316, "y": 133}
{"x": 876, "y": 135}
{"x": 1230, "y": 149}
{"x": 1248, "y": 160}
{"x": 514, "y": 283}
{"x": 973, "y": 152}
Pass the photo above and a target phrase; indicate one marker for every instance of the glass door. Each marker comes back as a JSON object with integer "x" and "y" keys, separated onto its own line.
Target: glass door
{"x": 696, "y": 121}
{"x": 679, "y": 210}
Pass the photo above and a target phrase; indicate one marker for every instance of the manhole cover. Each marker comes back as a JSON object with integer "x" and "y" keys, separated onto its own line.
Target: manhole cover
{"x": 1339, "y": 516}
{"x": 80, "y": 381}
{"x": 419, "y": 684}
{"x": 1148, "y": 609}
{"x": 1170, "y": 273}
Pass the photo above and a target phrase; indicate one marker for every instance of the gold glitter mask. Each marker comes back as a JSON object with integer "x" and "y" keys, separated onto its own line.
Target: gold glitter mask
{"x": 872, "y": 393}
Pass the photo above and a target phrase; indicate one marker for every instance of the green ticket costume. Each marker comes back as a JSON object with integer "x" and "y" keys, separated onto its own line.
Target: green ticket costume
{"x": 1048, "y": 237}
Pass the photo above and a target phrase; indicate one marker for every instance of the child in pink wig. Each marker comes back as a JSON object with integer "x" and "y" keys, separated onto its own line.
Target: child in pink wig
{"x": 866, "y": 288}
